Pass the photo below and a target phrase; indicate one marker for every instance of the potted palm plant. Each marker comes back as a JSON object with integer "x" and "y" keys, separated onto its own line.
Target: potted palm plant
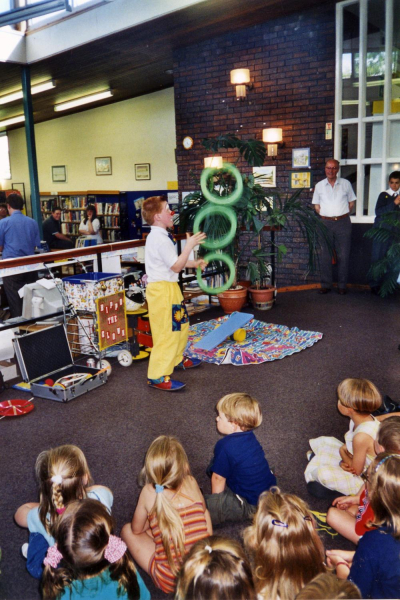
{"x": 259, "y": 212}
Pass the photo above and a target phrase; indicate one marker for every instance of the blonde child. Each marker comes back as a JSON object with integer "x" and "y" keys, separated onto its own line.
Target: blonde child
{"x": 169, "y": 320}
{"x": 352, "y": 516}
{"x": 284, "y": 545}
{"x": 215, "y": 569}
{"x": 338, "y": 466}
{"x": 239, "y": 470}
{"x": 170, "y": 515}
{"x": 63, "y": 476}
{"x": 88, "y": 561}
{"x": 326, "y": 586}
{"x": 375, "y": 566}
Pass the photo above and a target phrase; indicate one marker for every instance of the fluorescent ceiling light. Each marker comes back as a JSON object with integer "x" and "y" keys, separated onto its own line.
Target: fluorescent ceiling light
{"x": 35, "y": 89}
{"x": 83, "y": 100}
{"x": 16, "y": 15}
{"x": 12, "y": 121}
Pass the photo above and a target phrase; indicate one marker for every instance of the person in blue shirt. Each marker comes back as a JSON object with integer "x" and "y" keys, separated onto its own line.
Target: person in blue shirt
{"x": 19, "y": 235}
{"x": 375, "y": 566}
{"x": 239, "y": 470}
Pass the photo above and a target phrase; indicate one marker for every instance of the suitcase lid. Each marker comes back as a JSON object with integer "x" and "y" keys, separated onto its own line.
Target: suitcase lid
{"x": 44, "y": 352}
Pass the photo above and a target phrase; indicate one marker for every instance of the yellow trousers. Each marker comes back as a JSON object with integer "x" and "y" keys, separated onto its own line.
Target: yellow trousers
{"x": 169, "y": 325}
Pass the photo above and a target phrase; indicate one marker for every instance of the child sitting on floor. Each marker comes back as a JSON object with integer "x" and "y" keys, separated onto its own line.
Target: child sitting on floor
{"x": 284, "y": 545}
{"x": 215, "y": 569}
{"x": 375, "y": 566}
{"x": 338, "y": 466}
{"x": 170, "y": 515}
{"x": 327, "y": 586}
{"x": 240, "y": 471}
{"x": 87, "y": 561}
{"x": 352, "y": 516}
{"x": 63, "y": 475}
{"x": 169, "y": 320}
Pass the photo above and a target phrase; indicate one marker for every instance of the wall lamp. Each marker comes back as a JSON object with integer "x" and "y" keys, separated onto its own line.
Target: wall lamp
{"x": 214, "y": 162}
{"x": 273, "y": 138}
{"x": 83, "y": 100}
{"x": 241, "y": 79}
{"x": 35, "y": 89}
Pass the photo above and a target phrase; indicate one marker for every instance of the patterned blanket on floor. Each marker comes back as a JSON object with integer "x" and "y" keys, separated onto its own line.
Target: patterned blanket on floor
{"x": 264, "y": 342}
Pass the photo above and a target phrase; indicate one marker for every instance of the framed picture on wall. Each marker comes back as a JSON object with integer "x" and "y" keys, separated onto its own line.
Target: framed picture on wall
{"x": 300, "y": 179}
{"x": 59, "y": 174}
{"x": 103, "y": 165}
{"x": 19, "y": 187}
{"x": 142, "y": 171}
{"x": 301, "y": 158}
{"x": 265, "y": 176}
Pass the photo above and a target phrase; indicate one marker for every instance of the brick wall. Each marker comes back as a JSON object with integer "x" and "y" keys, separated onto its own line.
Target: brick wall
{"x": 292, "y": 66}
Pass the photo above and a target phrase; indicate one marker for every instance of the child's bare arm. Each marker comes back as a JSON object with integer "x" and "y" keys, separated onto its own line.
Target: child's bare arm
{"x": 387, "y": 416}
{"x": 345, "y": 455}
{"x": 217, "y": 483}
{"x": 362, "y": 442}
{"x": 21, "y": 516}
{"x": 140, "y": 521}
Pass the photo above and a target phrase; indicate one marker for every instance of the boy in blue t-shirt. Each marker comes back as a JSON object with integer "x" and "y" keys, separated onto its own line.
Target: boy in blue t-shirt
{"x": 239, "y": 470}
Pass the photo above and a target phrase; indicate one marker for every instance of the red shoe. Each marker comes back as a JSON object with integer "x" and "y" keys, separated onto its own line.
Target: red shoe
{"x": 166, "y": 383}
{"x": 189, "y": 363}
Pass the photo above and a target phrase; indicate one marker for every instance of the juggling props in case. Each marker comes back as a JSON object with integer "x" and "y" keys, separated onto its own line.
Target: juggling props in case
{"x": 220, "y": 205}
{"x": 45, "y": 356}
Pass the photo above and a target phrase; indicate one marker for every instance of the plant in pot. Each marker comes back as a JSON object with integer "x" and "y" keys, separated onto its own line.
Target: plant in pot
{"x": 260, "y": 212}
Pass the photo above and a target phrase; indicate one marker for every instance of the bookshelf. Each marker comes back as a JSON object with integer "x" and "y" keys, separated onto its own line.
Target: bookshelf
{"x": 73, "y": 205}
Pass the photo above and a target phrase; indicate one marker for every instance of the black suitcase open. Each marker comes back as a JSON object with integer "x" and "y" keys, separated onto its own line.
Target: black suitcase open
{"x": 46, "y": 354}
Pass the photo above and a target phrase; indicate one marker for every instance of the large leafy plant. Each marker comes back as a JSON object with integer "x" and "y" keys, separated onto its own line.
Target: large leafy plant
{"x": 258, "y": 207}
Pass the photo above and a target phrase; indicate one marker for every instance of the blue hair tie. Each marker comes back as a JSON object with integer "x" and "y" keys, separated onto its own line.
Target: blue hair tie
{"x": 380, "y": 463}
{"x": 159, "y": 488}
{"x": 279, "y": 523}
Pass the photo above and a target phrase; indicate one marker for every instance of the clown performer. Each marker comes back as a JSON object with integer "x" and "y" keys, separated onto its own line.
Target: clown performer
{"x": 169, "y": 320}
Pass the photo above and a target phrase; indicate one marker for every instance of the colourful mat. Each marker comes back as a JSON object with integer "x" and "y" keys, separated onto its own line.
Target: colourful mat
{"x": 264, "y": 342}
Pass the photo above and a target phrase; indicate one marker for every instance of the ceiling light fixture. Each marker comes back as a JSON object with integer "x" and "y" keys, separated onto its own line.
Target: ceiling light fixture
{"x": 83, "y": 100}
{"x": 35, "y": 89}
{"x": 12, "y": 121}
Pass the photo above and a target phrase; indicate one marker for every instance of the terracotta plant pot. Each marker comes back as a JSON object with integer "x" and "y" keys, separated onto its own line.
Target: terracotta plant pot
{"x": 263, "y": 298}
{"x": 233, "y": 300}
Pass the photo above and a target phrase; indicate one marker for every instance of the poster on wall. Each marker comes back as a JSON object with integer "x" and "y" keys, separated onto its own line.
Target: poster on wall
{"x": 301, "y": 158}
{"x": 265, "y": 176}
{"x": 142, "y": 171}
{"x": 59, "y": 174}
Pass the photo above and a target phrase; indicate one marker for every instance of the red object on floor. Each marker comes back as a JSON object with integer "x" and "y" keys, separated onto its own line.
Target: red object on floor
{"x": 15, "y": 408}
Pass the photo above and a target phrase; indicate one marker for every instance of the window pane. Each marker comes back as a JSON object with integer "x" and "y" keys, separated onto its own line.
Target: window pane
{"x": 349, "y": 141}
{"x": 349, "y": 172}
{"x": 5, "y": 170}
{"x": 375, "y": 67}
{"x": 351, "y": 26}
{"x": 372, "y": 188}
{"x": 373, "y": 140}
{"x": 396, "y": 59}
{"x": 5, "y": 5}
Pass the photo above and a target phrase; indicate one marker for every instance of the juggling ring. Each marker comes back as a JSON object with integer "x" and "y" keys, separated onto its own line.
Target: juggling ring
{"x": 214, "y": 198}
{"x": 206, "y": 211}
{"x": 223, "y": 258}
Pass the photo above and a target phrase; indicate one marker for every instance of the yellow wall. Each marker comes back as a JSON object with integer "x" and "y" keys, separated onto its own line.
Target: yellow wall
{"x": 141, "y": 130}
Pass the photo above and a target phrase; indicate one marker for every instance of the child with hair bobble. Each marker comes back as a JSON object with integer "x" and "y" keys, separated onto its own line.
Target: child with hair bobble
{"x": 284, "y": 545}
{"x": 88, "y": 561}
{"x": 352, "y": 516}
{"x": 337, "y": 466}
{"x": 63, "y": 475}
{"x": 170, "y": 515}
{"x": 215, "y": 569}
{"x": 326, "y": 586}
{"x": 375, "y": 566}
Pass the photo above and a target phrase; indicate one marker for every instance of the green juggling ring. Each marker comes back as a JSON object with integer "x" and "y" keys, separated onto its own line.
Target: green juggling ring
{"x": 223, "y": 258}
{"x": 215, "y": 198}
{"x": 207, "y": 211}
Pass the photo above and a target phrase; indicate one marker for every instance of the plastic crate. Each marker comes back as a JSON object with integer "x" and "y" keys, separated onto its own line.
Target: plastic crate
{"x": 83, "y": 290}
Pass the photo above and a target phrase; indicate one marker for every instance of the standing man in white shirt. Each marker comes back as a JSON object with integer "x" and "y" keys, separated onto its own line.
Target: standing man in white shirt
{"x": 334, "y": 200}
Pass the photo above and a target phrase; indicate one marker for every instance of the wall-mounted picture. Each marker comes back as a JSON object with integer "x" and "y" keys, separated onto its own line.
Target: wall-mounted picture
{"x": 300, "y": 179}
{"x": 265, "y": 176}
{"x": 19, "y": 187}
{"x": 59, "y": 174}
{"x": 301, "y": 158}
{"x": 103, "y": 165}
{"x": 142, "y": 171}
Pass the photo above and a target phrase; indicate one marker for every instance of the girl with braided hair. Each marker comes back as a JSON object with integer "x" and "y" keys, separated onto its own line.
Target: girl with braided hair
{"x": 215, "y": 568}
{"x": 170, "y": 516}
{"x": 63, "y": 476}
{"x": 88, "y": 561}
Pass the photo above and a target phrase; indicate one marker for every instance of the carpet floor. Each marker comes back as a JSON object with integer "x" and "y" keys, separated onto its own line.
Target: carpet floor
{"x": 115, "y": 424}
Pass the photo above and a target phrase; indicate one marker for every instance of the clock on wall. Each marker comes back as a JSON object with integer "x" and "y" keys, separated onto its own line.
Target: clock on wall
{"x": 187, "y": 142}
